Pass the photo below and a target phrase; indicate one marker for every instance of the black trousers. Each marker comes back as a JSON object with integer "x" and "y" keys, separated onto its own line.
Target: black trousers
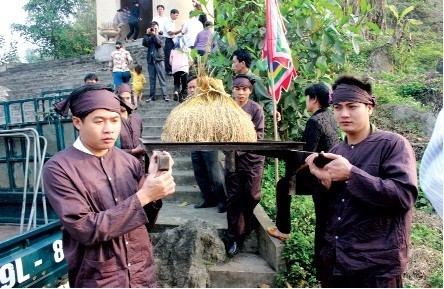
{"x": 283, "y": 217}
{"x": 180, "y": 80}
{"x": 134, "y": 29}
{"x": 169, "y": 44}
{"x": 243, "y": 194}
{"x": 283, "y": 202}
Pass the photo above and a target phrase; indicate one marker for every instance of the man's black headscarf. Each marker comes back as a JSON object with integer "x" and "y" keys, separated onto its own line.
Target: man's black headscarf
{"x": 88, "y": 98}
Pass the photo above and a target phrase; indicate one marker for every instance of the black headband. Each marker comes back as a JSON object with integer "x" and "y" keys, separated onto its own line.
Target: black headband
{"x": 347, "y": 92}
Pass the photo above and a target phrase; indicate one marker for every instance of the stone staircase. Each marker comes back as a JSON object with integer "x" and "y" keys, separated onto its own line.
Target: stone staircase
{"x": 258, "y": 263}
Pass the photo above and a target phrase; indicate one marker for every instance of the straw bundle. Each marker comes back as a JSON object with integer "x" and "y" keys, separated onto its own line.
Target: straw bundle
{"x": 210, "y": 115}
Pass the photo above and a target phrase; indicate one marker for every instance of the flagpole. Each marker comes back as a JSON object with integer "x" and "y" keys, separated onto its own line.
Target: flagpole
{"x": 270, "y": 76}
{"x": 276, "y": 136}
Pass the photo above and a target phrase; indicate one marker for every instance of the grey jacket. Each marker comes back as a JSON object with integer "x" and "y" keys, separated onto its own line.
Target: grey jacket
{"x": 155, "y": 45}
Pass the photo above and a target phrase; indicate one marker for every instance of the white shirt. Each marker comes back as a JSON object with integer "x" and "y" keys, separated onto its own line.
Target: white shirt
{"x": 432, "y": 165}
{"x": 81, "y": 147}
{"x": 170, "y": 25}
{"x": 161, "y": 20}
{"x": 190, "y": 30}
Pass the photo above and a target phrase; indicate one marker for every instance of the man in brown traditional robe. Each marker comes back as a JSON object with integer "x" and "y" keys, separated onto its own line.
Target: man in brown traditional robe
{"x": 244, "y": 184}
{"x": 369, "y": 190}
{"x": 102, "y": 198}
{"x": 131, "y": 128}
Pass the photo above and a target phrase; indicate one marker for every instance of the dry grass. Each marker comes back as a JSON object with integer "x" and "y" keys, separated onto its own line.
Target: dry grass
{"x": 424, "y": 260}
{"x": 210, "y": 115}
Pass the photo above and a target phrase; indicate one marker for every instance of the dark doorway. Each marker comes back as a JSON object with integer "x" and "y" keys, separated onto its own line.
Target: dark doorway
{"x": 146, "y": 13}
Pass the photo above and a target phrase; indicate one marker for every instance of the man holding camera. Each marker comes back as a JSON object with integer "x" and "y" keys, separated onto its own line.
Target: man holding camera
{"x": 103, "y": 197}
{"x": 155, "y": 58}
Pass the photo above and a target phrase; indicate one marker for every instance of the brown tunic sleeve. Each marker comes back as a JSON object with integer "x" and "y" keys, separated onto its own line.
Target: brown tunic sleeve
{"x": 387, "y": 183}
{"x": 94, "y": 204}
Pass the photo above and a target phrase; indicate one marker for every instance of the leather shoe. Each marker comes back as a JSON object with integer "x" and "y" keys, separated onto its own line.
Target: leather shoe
{"x": 233, "y": 250}
{"x": 221, "y": 208}
{"x": 204, "y": 205}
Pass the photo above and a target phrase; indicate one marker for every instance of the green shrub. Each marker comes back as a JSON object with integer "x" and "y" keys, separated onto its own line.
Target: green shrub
{"x": 435, "y": 280}
{"x": 411, "y": 89}
{"x": 422, "y": 203}
{"x": 424, "y": 235}
{"x": 298, "y": 251}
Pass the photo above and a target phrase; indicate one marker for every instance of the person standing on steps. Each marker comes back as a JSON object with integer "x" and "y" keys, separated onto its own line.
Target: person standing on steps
{"x": 103, "y": 197}
{"x": 133, "y": 22}
{"x": 160, "y": 18}
{"x": 119, "y": 63}
{"x": 120, "y": 19}
{"x": 241, "y": 65}
{"x": 368, "y": 190}
{"x": 169, "y": 33}
{"x": 204, "y": 39}
{"x": 244, "y": 184}
{"x": 190, "y": 29}
{"x": 139, "y": 82}
{"x": 208, "y": 171}
{"x": 155, "y": 58}
{"x": 320, "y": 135}
{"x": 180, "y": 61}
{"x": 131, "y": 129}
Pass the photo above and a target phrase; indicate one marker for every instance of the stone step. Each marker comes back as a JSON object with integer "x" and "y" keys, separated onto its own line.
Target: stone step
{"x": 231, "y": 274}
{"x": 157, "y": 108}
{"x": 30, "y": 86}
{"x": 182, "y": 163}
{"x": 189, "y": 194}
{"x": 247, "y": 269}
{"x": 244, "y": 270}
{"x": 153, "y": 120}
{"x": 184, "y": 177}
{"x": 174, "y": 214}
{"x": 44, "y": 65}
{"x": 152, "y": 130}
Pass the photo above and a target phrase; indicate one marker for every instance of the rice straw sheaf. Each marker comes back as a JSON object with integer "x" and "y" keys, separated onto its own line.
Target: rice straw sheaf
{"x": 210, "y": 115}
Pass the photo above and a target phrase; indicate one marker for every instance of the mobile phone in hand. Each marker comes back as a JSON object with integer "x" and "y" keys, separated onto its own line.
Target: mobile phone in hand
{"x": 320, "y": 161}
{"x": 163, "y": 162}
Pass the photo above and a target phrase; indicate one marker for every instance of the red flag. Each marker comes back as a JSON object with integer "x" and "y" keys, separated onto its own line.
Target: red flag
{"x": 277, "y": 52}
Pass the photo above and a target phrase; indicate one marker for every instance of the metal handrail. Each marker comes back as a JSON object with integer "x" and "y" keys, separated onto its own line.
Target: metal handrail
{"x": 38, "y": 181}
{"x": 39, "y": 159}
{"x": 25, "y": 185}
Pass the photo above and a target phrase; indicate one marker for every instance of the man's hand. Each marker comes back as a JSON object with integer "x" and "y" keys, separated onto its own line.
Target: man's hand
{"x": 153, "y": 169}
{"x": 158, "y": 184}
{"x": 321, "y": 173}
{"x": 338, "y": 169}
{"x": 277, "y": 115}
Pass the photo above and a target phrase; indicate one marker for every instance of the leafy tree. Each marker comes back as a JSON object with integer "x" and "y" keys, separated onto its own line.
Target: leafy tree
{"x": 8, "y": 55}
{"x": 320, "y": 35}
{"x": 402, "y": 25}
{"x": 52, "y": 26}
